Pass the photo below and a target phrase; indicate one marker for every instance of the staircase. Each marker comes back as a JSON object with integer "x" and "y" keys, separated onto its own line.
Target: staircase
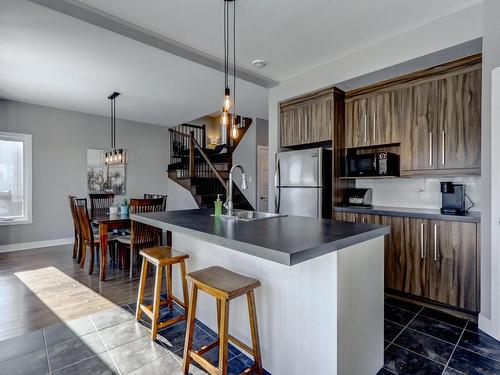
{"x": 204, "y": 172}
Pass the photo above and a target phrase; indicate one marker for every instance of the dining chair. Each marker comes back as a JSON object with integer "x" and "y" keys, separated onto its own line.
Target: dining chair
{"x": 158, "y": 196}
{"x": 88, "y": 237}
{"x": 101, "y": 200}
{"x": 76, "y": 244}
{"x": 141, "y": 235}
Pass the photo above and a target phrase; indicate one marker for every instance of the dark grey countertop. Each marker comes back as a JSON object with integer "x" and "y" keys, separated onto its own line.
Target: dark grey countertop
{"x": 287, "y": 240}
{"x": 421, "y": 213}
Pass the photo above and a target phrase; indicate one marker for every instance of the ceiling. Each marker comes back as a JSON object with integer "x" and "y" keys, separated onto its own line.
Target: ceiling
{"x": 291, "y": 35}
{"x": 50, "y": 58}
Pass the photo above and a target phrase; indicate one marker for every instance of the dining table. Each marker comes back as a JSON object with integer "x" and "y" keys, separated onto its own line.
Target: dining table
{"x": 106, "y": 222}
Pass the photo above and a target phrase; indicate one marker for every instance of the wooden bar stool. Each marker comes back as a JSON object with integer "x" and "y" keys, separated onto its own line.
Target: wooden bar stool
{"x": 161, "y": 257}
{"x": 224, "y": 285}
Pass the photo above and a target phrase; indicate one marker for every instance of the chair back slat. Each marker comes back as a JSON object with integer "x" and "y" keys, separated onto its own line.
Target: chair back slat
{"x": 84, "y": 220}
{"x": 158, "y": 196}
{"x": 101, "y": 200}
{"x": 73, "y": 212}
{"x": 142, "y": 234}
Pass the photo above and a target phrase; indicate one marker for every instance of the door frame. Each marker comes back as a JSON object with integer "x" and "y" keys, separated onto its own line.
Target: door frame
{"x": 261, "y": 174}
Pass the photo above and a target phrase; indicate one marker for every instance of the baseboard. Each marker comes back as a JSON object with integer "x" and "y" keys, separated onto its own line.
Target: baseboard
{"x": 35, "y": 244}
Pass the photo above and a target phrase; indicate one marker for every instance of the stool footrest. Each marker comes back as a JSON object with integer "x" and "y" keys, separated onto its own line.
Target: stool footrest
{"x": 207, "y": 348}
{"x": 178, "y": 301}
{"x": 171, "y": 321}
{"x": 204, "y": 363}
{"x": 241, "y": 344}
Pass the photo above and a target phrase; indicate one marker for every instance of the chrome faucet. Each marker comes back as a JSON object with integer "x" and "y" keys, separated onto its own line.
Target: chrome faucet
{"x": 229, "y": 202}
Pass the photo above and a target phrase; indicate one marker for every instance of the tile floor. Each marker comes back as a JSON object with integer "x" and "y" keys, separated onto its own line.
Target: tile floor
{"x": 418, "y": 340}
{"x": 110, "y": 342}
{"x": 423, "y": 341}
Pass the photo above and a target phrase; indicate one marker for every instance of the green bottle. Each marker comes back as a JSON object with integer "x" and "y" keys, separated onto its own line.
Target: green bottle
{"x": 218, "y": 206}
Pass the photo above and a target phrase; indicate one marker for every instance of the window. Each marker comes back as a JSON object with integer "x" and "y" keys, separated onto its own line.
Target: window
{"x": 15, "y": 178}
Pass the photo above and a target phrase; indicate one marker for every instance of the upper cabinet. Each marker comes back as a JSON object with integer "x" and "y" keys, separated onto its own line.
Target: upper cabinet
{"x": 308, "y": 121}
{"x": 435, "y": 116}
{"x": 459, "y": 121}
{"x": 374, "y": 120}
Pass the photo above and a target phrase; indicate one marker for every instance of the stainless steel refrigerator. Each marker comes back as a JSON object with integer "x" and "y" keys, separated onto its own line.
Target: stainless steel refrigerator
{"x": 303, "y": 182}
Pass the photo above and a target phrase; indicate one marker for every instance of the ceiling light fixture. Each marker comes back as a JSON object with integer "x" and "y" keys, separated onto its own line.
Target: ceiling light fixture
{"x": 227, "y": 102}
{"x": 259, "y": 63}
{"x": 114, "y": 156}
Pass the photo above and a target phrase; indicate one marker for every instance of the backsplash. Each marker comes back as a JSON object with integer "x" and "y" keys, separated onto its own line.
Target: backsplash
{"x": 418, "y": 192}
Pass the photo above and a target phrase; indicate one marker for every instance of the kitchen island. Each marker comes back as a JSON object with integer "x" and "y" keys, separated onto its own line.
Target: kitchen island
{"x": 320, "y": 306}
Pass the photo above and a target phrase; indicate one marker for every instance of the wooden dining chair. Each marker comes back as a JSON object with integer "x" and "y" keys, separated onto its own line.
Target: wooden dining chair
{"x": 101, "y": 200}
{"x": 141, "y": 235}
{"x": 158, "y": 196}
{"x": 76, "y": 244}
{"x": 88, "y": 237}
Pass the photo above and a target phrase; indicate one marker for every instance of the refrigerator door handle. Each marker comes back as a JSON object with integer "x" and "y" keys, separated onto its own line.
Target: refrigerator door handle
{"x": 276, "y": 185}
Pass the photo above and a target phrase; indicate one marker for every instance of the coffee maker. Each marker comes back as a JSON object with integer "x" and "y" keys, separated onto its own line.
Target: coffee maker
{"x": 452, "y": 198}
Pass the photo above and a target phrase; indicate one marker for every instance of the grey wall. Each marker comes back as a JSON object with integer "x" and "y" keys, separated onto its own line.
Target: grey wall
{"x": 60, "y": 142}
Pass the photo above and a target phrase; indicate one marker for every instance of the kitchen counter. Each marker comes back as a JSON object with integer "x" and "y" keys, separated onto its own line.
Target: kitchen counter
{"x": 287, "y": 240}
{"x": 420, "y": 213}
{"x": 318, "y": 280}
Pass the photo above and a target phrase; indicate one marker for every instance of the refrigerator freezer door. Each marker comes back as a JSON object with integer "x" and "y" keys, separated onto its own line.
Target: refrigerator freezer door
{"x": 300, "y": 201}
{"x": 300, "y": 168}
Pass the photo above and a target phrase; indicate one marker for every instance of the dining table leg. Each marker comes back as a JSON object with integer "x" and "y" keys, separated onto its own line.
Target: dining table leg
{"x": 103, "y": 239}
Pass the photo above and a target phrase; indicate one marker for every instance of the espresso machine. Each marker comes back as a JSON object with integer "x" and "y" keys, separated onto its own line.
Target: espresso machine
{"x": 452, "y": 198}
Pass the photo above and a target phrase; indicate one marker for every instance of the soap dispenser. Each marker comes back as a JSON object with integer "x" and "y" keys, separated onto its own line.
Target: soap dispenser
{"x": 218, "y": 205}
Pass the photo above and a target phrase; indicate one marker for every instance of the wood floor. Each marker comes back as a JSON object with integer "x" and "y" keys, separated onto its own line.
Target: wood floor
{"x": 22, "y": 311}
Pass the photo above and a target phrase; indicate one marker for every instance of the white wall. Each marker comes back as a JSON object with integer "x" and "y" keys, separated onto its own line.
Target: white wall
{"x": 418, "y": 192}
{"x": 489, "y": 318}
{"x": 60, "y": 142}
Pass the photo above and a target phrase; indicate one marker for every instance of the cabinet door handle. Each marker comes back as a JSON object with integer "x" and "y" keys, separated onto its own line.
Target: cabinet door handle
{"x": 430, "y": 148}
{"x": 443, "y": 148}
{"x": 366, "y": 121}
{"x": 435, "y": 242}
{"x": 374, "y": 127}
{"x": 422, "y": 240}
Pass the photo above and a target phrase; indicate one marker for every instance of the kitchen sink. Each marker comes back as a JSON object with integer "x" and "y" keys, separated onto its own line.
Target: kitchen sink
{"x": 242, "y": 215}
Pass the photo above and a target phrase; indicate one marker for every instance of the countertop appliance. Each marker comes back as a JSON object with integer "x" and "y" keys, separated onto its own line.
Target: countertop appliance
{"x": 303, "y": 182}
{"x": 358, "y": 198}
{"x": 372, "y": 164}
{"x": 452, "y": 198}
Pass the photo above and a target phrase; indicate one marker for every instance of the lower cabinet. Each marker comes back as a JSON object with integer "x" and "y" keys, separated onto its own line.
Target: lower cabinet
{"x": 433, "y": 259}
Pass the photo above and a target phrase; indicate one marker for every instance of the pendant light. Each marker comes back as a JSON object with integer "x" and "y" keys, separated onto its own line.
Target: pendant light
{"x": 114, "y": 156}
{"x": 227, "y": 102}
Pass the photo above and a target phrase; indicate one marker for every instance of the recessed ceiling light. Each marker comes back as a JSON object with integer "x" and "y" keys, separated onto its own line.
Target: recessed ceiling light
{"x": 259, "y": 63}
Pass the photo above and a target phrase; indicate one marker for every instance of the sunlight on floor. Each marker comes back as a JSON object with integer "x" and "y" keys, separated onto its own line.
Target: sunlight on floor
{"x": 64, "y": 296}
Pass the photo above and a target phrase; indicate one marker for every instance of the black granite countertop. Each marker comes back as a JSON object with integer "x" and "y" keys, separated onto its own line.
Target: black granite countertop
{"x": 287, "y": 240}
{"x": 421, "y": 213}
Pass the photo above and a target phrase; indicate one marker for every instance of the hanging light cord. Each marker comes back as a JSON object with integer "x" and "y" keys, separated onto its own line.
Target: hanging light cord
{"x": 234, "y": 61}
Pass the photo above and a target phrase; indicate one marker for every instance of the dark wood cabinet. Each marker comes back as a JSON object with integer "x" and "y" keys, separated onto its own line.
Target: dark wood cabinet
{"x": 459, "y": 121}
{"x": 356, "y": 132}
{"x": 432, "y": 259}
{"x": 453, "y": 264}
{"x": 419, "y": 122}
{"x": 306, "y": 122}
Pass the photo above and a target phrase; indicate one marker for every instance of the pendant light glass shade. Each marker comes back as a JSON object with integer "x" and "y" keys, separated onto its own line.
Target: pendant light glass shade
{"x": 114, "y": 155}
{"x": 224, "y": 118}
{"x": 227, "y": 100}
{"x": 234, "y": 131}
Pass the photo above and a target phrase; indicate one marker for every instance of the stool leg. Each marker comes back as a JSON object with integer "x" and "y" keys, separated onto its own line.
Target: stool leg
{"x": 168, "y": 280}
{"x": 131, "y": 261}
{"x": 189, "y": 331}
{"x": 156, "y": 302}
{"x": 252, "y": 313}
{"x": 184, "y": 286}
{"x": 142, "y": 286}
{"x": 223, "y": 336}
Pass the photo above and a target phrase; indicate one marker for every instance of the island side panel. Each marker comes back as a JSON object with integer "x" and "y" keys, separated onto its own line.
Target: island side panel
{"x": 296, "y": 306}
{"x": 361, "y": 308}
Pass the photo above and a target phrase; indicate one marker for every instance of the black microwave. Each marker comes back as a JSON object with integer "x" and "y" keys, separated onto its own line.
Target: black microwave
{"x": 373, "y": 164}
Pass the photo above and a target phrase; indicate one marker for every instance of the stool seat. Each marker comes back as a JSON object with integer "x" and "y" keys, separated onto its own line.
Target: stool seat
{"x": 163, "y": 255}
{"x": 222, "y": 282}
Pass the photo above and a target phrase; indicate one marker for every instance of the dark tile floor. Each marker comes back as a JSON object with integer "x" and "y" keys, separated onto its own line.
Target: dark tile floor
{"x": 110, "y": 342}
{"x": 423, "y": 341}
